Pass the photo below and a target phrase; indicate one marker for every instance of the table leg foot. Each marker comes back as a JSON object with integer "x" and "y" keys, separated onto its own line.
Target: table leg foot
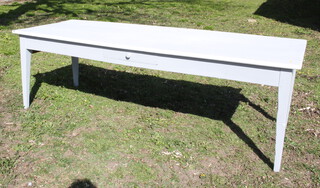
{"x": 25, "y": 74}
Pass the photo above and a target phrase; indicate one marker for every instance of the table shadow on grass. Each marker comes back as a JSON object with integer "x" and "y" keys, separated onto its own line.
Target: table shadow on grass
{"x": 304, "y": 13}
{"x": 54, "y": 7}
{"x": 215, "y": 102}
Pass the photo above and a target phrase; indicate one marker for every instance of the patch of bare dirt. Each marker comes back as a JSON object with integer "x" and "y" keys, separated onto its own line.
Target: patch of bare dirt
{"x": 297, "y": 175}
{"x": 81, "y": 130}
{"x": 301, "y": 103}
{"x": 215, "y": 166}
{"x": 7, "y": 127}
{"x": 310, "y": 77}
{"x": 10, "y": 129}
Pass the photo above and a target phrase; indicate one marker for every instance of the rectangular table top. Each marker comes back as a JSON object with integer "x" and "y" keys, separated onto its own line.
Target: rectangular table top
{"x": 191, "y": 43}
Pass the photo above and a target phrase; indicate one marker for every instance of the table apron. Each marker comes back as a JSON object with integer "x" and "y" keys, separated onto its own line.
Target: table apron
{"x": 179, "y": 64}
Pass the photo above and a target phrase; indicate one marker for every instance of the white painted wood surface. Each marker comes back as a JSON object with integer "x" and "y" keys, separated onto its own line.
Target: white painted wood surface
{"x": 249, "y": 58}
{"x": 200, "y": 67}
{"x": 212, "y": 45}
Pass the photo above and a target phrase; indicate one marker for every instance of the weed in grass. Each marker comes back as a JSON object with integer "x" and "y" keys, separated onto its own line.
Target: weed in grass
{"x": 7, "y": 165}
{"x": 142, "y": 172}
{"x": 208, "y": 27}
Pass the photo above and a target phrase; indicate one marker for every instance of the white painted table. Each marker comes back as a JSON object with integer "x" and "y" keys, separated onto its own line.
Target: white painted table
{"x": 250, "y": 58}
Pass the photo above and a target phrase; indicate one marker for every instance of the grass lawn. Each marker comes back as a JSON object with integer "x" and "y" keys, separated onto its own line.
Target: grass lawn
{"x": 131, "y": 127}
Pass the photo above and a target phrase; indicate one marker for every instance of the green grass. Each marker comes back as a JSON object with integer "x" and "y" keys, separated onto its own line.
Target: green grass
{"x": 131, "y": 127}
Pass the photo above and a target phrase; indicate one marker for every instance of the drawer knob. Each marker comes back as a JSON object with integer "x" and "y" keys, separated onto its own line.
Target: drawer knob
{"x": 128, "y": 56}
